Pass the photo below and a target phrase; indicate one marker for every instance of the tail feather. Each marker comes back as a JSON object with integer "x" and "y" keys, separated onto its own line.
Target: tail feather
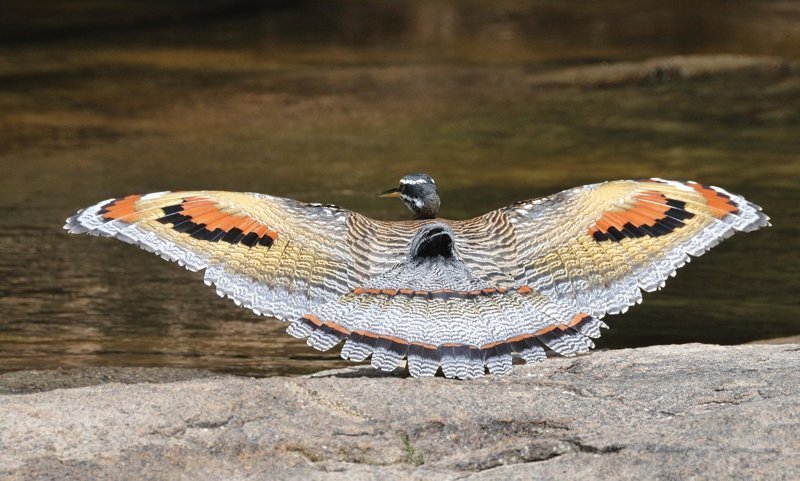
{"x": 414, "y": 330}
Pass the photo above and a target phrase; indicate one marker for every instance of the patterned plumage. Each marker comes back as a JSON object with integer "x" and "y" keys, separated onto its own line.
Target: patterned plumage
{"x": 461, "y": 295}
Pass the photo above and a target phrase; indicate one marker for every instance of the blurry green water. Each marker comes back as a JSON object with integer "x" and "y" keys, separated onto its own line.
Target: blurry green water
{"x": 333, "y": 102}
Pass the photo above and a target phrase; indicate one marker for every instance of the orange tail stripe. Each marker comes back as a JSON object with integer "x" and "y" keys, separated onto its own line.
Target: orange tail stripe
{"x": 577, "y": 319}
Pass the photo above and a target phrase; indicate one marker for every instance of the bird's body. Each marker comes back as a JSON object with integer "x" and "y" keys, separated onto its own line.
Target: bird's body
{"x": 460, "y": 295}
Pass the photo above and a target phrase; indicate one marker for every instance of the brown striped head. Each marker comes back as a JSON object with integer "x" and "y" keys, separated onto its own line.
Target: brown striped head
{"x": 418, "y": 192}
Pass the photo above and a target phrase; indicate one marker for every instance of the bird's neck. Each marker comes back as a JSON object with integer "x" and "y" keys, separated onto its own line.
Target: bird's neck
{"x": 424, "y": 213}
{"x": 426, "y": 207}
{"x": 427, "y": 211}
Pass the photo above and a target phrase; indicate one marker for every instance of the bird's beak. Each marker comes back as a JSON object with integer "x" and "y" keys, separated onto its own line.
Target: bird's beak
{"x": 391, "y": 193}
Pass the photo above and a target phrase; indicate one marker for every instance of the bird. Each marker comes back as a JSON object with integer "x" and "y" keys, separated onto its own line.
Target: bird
{"x": 460, "y": 297}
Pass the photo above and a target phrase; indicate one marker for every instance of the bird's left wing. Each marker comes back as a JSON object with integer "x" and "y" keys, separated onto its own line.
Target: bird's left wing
{"x": 276, "y": 256}
{"x": 596, "y": 247}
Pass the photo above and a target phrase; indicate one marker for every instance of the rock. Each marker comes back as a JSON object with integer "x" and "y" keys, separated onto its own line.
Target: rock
{"x": 664, "y": 412}
{"x": 779, "y": 340}
{"x": 21, "y": 382}
{"x": 662, "y": 69}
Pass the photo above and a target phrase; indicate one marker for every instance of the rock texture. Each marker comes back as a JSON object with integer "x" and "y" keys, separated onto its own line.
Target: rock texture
{"x": 666, "y": 412}
{"x": 24, "y": 382}
{"x": 662, "y": 69}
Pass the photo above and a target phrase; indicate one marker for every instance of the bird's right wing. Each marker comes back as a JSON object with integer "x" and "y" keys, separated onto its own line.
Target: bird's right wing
{"x": 596, "y": 247}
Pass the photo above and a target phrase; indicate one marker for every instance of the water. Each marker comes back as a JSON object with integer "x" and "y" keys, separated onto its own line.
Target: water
{"x": 333, "y": 102}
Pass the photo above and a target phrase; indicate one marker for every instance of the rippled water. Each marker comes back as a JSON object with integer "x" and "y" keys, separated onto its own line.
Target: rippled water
{"x": 333, "y": 102}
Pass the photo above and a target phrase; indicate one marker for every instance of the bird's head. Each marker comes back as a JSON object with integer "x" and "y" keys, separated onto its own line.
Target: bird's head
{"x": 418, "y": 192}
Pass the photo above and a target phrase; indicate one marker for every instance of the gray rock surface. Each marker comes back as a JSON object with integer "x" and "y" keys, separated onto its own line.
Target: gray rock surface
{"x": 665, "y": 412}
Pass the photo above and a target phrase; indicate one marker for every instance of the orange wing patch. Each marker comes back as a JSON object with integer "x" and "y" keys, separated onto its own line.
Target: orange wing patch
{"x": 721, "y": 203}
{"x": 651, "y": 214}
{"x": 204, "y": 219}
{"x": 124, "y": 207}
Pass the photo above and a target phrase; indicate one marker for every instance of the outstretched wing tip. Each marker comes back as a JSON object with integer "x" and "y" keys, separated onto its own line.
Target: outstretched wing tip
{"x": 602, "y": 244}
{"x": 230, "y": 235}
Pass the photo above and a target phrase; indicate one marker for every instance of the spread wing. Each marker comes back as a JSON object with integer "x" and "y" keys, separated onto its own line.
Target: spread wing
{"x": 538, "y": 273}
{"x": 276, "y": 256}
{"x": 596, "y": 247}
